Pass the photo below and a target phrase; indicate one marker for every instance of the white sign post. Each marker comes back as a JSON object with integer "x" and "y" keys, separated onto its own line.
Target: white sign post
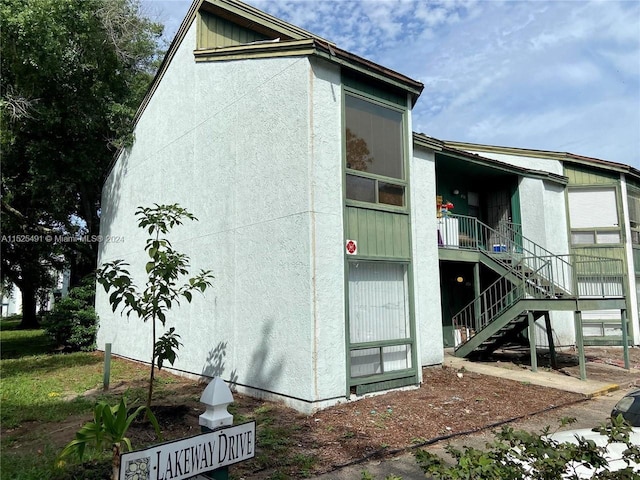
{"x": 207, "y": 453}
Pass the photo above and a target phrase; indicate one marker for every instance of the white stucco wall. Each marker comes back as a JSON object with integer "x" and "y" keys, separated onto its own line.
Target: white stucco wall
{"x": 253, "y": 149}
{"x": 428, "y": 311}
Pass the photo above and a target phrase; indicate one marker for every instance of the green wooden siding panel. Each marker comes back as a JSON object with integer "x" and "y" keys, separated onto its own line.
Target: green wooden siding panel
{"x": 386, "y": 385}
{"x": 217, "y": 32}
{"x": 378, "y": 233}
{"x": 607, "y": 252}
{"x": 370, "y": 88}
{"x": 584, "y": 176}
{"x": 636, "y": 260}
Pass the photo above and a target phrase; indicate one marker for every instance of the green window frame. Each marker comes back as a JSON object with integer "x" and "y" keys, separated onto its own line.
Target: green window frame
{"x": 633, "y": 199}
{"x": 375, "y": 152}
{"x": 385, "y": 342}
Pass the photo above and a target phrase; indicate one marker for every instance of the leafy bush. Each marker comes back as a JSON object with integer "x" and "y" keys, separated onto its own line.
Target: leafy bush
{"x": 73, "y": 322}
{"x": 517, "y": 454}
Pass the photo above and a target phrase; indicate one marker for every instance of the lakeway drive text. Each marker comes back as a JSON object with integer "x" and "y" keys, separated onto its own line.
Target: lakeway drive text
{"x": 188, "y": 457}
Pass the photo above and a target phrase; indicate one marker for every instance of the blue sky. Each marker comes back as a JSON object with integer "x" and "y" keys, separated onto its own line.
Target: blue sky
{"x": 556, "y": 75}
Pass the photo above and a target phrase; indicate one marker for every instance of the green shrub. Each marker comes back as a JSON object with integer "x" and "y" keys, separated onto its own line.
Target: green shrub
{"x": 73, "y": 322}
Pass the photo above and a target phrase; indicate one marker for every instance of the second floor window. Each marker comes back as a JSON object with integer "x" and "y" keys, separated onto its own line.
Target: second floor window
{"x": 374, "y": 139}
{"x": 593, "y": 214}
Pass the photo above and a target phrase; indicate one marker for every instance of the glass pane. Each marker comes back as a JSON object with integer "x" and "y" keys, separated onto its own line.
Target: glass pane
{"x": 362, "y": 189}
{"x": 612, "y": 330}
{"x": 365, "y": 362}
{"x": 378, "y": 301}
{"x": 608, "y": 237}
{"x": 396, "y": 358}
{"x": 592, "y": 330}
{"x": 581, "y": 238}
{"x": 390, "y": 194}
{"x": 373, "y": 136}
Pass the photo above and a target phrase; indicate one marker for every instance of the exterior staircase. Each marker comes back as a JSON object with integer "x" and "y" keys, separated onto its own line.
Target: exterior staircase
{"x": 533, "y": 282}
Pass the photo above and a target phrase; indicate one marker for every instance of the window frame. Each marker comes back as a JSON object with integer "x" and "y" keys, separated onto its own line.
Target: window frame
{"x": 634, "y": 193}
{"x": 595, "y": 231}
{"x": 377, "y": 179}
{"x": 410, "y": 341}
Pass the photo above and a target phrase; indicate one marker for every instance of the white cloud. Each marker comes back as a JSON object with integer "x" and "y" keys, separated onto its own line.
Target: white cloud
{"x": 538, "y": 74}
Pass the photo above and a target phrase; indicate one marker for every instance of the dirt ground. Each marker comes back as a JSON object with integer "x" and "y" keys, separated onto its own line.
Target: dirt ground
{"x": 449, "y": 403}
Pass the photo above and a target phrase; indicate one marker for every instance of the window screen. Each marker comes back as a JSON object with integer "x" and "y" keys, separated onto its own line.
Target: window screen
{"x": 374, "y": 138}
{"x": 593, "y": 207}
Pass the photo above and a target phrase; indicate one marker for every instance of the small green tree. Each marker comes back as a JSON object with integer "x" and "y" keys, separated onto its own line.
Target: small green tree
{"x": 161, "y": 290}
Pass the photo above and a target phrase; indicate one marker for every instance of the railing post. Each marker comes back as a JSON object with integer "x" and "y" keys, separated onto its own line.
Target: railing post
{"x": 577, "y": 318}
{"x": 107, "y": 367}
{"x": 532, "y": 342}
{"x": 216, "y": 397}
{"x": 625, "y": 339}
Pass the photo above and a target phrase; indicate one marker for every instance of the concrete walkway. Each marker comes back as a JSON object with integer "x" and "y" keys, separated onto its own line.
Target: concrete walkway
{"x": 550, "y": 379}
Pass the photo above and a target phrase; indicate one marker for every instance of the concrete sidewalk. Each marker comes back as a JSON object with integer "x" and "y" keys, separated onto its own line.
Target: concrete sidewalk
{"x": 550, "y": 379}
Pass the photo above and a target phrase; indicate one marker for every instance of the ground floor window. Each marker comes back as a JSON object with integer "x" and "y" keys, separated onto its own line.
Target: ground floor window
{"x": 379, "y": 318}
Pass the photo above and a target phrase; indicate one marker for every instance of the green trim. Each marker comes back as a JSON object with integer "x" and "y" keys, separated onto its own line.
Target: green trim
{"x": 378, "y": 386}
{"x": 382, "y": 343}
{"x": 548, "y": 155}
{"x": 384, "y": 213}
{"x": 501, "y": 166}
{"x": 238, "y": 12}
{"x": 292, "y": 48}
{"x": 213, "y": 31}
{"x": 590, "y": 176}
{"x": 612, "y": 341}
{"x": 371, "y": 70}
{"x": 357, "y": 84}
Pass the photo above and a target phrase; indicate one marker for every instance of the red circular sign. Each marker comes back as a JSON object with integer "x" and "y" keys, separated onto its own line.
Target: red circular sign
{"x": 351, "y": 247}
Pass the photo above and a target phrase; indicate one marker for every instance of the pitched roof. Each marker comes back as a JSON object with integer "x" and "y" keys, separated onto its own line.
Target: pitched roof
{"x": 547, "y": 154}
{"x": 443, "y": 147}
{"x": 292, "y": 40}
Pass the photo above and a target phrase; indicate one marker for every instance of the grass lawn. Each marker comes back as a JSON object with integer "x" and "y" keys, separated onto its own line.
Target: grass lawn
{"x": 46, "y": 397}
{"x": 45, "y": 388}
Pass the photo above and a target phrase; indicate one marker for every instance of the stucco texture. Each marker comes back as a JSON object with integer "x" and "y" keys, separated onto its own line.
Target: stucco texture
{"x": 253, "y": 149}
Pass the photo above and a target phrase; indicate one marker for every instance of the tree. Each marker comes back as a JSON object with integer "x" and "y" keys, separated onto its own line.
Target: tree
{"x": 161, "y": 292}
{"x": 72, "y": 74}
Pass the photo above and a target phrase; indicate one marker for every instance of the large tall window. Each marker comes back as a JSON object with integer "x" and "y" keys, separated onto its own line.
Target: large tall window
{"x": 374, "y": 152}
{"x": 379, "y": 318}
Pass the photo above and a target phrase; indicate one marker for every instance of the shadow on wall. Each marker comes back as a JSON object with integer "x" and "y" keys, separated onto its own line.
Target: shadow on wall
{"x": 214, "y": 365}
{"x": 262, "y": 373}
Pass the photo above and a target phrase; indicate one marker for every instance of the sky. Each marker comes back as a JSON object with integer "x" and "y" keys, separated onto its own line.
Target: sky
{"x": 560, "y": 75}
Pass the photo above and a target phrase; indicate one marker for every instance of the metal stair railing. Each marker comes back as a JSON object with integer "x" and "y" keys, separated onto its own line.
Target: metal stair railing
{"x": 507, "y": 246}
{"x": 598, "y": 276}
{"x": 497, "y": 299}
{"x": 594, "y": 277}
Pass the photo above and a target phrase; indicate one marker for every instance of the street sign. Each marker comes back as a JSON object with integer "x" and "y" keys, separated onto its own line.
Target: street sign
{"x": 189, "y": 457}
